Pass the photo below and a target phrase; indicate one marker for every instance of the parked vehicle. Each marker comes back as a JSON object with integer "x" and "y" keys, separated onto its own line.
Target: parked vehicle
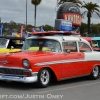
{"x": 43, "y": 58}
{"x": 8, "y": 44}
{"x": 96, "y": 43}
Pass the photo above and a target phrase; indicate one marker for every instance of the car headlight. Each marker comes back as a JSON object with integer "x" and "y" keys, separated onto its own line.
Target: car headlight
{"x": 26, "y": 63}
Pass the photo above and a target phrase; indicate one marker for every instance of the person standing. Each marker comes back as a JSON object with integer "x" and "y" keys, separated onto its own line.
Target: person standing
{"x": 17, "y": 35}
{"x": 25, "y": 34}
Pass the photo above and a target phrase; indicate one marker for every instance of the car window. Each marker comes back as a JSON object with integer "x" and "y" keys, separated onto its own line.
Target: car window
{"x": 3, "y": 42}
{"x": 69, "y": 45}
{"x": 42, "y": 45}
{"x": 83, "y": 47}
{"x": 12, "y": 43}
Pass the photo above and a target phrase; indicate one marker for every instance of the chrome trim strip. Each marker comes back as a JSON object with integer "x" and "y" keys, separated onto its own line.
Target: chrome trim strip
{"x": 8, "y": 67}
{"x": 62, "y": 62}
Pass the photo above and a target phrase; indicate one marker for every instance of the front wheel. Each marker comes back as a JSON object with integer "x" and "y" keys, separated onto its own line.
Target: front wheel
{"x": 44, "y": 78}
{"x": 95, "y": 73}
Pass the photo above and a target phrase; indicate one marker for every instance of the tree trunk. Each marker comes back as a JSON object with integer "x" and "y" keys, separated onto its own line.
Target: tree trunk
{"x": 89, "y": 21}
{"x": 35, "y": 17}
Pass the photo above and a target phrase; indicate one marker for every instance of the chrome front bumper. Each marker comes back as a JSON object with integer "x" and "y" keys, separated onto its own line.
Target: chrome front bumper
{"x": 7, "y": 74}
{"x": 23, "y": 79}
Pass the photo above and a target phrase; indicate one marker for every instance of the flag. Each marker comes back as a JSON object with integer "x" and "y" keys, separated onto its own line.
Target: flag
{"x": 21, "y": 30}
{"x": 33, "y": 31}
{"x": 1, "y": 29}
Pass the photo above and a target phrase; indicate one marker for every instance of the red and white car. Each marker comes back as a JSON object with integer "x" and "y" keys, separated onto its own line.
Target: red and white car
{"x": 44, "y": 57}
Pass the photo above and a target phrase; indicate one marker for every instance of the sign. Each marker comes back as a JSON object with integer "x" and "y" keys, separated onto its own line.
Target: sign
{"x": 75, "y": 18}
{"x": 66, "y": 25}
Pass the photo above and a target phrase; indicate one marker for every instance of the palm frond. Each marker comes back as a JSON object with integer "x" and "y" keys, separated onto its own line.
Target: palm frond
{"x": 91, "y": 7}
{"x": 36, "y": 2}
{"x": 83, "y": 13}
{"x": 97, "y": 13}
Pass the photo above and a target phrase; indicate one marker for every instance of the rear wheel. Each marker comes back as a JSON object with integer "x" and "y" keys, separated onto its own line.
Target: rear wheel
{"x": 44, "y": 78}
{"x": 95, "y": 73}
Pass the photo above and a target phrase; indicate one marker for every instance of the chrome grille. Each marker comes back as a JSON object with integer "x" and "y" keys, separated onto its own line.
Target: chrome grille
{"x": 11, "y": 71}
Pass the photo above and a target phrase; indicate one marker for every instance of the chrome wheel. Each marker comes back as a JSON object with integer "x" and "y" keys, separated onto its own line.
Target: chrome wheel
{"x": 44, "y": 77}
{"x": 95, "y": 71}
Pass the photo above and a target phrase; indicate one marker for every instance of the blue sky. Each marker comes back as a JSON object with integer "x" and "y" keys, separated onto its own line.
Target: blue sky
{"x": 15, "y": 10}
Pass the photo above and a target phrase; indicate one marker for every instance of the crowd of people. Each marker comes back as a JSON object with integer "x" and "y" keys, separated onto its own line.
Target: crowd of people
{"x": 24, "y": 34}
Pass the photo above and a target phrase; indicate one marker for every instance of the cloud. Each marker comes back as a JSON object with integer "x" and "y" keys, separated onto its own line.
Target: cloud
{"x": 16, "y": 10}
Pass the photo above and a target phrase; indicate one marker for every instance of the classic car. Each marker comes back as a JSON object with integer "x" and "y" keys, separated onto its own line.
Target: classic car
{"x": 8, "y": 44}
{"x": 58, "y": 57}
{"x": 96, "y": 43}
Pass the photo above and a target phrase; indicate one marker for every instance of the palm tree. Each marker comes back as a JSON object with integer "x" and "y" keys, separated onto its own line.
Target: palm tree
{"x": 78, "y": 2}
{"x": 35, "y": 3}
{"x": 90, "y": 9}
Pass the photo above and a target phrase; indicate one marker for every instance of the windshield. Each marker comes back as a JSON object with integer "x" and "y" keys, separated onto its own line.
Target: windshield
{"x": 3, "y": 42}
{"x": 42, "y": 45}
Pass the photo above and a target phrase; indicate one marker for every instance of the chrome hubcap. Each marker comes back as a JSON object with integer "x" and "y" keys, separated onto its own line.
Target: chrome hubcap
{"x": 44, "y": 77}
{"x": 95, "y": 71}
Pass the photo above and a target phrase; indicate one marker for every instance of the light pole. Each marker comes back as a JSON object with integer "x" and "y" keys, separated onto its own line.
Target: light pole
{"x": 57, "y": 6}
{"x": 26, "y": 13}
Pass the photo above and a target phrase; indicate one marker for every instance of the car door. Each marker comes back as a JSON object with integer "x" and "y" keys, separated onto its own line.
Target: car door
{"x": 88, "y": 55}
{"x": 71, "y": 65}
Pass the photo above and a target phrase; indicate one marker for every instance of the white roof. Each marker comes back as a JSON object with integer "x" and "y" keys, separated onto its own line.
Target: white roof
{"x": 60, "y": 38}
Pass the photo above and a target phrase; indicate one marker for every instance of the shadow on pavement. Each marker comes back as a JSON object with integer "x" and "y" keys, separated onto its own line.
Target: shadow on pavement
{"x": 29, "y": 86}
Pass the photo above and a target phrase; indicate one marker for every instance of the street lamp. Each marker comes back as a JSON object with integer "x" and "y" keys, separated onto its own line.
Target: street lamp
{"x": 57, "y": 6}
{"x": 26, "y": 13}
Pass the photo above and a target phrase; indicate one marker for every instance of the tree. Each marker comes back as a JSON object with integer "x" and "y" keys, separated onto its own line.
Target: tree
{"x": 35, "y": 3}
{"x": 95, "y": 29}
{"x": 29, "y": 27}
{"x": 48, "y": 28}
{"x": 83, "y": 28}
{"x": 74, "y": 1}
{"x": 90, "y": 9}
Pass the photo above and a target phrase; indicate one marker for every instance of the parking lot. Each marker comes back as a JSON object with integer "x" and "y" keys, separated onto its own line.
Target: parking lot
{"x": 73, "y": 89}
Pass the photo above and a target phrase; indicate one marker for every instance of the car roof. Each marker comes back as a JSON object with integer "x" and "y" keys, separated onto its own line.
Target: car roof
{"x": 11, "y": 37}
{"x": 60, "y": 38}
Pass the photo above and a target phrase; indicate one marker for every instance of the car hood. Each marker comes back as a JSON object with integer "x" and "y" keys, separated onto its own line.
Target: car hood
{"x": 4, "y": 50}
{"x": 30, "y": 54}
{"x": 15, "y": 58}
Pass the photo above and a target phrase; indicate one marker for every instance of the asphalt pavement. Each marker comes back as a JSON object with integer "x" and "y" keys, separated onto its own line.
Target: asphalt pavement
{"x": 72, "y": 89}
